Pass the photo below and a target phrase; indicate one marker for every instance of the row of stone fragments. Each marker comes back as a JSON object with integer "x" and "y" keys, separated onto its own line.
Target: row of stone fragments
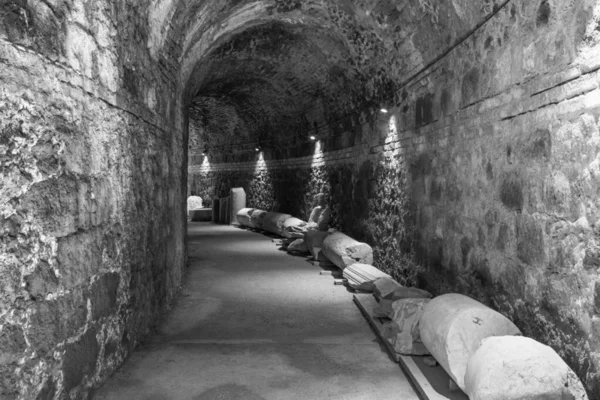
{"x": 482, "y": 351}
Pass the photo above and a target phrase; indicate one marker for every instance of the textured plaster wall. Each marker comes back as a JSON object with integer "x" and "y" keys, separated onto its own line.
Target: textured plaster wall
{"x": 497, "y": 146}
{"x": 91, "y": 202}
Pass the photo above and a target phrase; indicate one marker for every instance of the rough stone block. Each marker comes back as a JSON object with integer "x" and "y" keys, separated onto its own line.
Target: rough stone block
{"x": 244, "y": 217}
{"x": 273, "y": 222}
{"x": 103, "y": 295}
{"x": 41, "y": 281}
{"x": 452, "y": 327}
{"x": 54, "y": 205}
{"x": 12, "y": 343}
{"x": 237, "y": 201}
{"x": 202, "y": 214}
{"x": 514, "y": 368}
{"x": 80, "y": 359}
{"x": 343, "y": 251}
{"x": 55, "y": 321}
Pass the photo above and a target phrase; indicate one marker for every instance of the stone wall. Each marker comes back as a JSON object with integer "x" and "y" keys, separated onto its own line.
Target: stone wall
{"x": 499, "y": 140}
{"x": 91, "y": 207}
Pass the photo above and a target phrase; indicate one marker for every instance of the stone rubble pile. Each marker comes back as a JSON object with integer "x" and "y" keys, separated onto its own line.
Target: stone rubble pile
{"x": 481, "y": 350}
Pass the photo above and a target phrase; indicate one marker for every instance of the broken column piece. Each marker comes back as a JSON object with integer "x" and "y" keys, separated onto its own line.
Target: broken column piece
{"x": 343, "y": 251}
{"x": 358, "y": 274}
{"x": 403, "y": 331}
{"x": 293, "y": 227}
{"x": 257, "y": 218}
{"x": 244, "y": 217}
{"x": 237, "y": 201}
{"x": 216, "y": 213}
{"x": 514, "y": 367}
{"x": 273, "y": 222}
{"x": 452, "y": 327}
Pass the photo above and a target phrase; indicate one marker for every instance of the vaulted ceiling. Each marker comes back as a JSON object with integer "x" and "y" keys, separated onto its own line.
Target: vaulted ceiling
{"x": 273, "y": 70}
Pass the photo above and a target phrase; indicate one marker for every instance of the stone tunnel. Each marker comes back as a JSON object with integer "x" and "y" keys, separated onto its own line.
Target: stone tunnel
{"x": 459, "y": 138}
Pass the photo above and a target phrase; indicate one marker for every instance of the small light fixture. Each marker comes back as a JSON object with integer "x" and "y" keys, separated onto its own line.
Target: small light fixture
{"x": 257, "y": 148}
{"x": 313, "y": 137}
{"x": 384, "y": 111}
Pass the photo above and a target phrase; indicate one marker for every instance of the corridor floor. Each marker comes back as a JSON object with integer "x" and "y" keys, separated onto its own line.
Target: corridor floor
{"x": 255, "y": 323}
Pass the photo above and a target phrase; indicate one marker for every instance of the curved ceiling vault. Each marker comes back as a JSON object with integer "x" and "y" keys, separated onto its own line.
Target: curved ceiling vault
{"x": 273, "y": 70}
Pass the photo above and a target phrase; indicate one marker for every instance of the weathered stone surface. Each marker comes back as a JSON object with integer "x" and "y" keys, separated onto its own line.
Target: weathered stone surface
{"x": 103, "y": 295}
{"x": 403, "y": 331}
{"x": 274, "y": 222}
{"x": 512, "y": 367}
{"x": 358, "y": 274}
{"x": 452, "y": 327}
{"x": 293, "y": 226}
{"x": 237, "y": 201}
{"x": 41, "y": 281}
{"x": 244, "y": 217}
{"x": 343, "y": 251}
{"x": 257, "y": 218}
{"x": 80, "y": 360}
{"x": 12, "y": 343}
{"x": 54, "y": 321}
{"x": 193, "y": 203}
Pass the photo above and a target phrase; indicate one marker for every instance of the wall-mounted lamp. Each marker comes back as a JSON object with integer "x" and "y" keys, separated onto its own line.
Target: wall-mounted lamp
{"x": 257, "y": 148}
{"x": 313, "y": 137}
{"x": 384, "y": 111}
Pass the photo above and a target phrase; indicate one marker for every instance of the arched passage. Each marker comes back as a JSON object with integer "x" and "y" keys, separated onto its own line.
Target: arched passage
{"x": 493, "y": 115}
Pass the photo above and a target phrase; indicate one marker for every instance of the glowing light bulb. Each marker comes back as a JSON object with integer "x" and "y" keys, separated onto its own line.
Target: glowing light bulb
{"x": 313, "y": 137}
{"x": 384, "y": 111}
